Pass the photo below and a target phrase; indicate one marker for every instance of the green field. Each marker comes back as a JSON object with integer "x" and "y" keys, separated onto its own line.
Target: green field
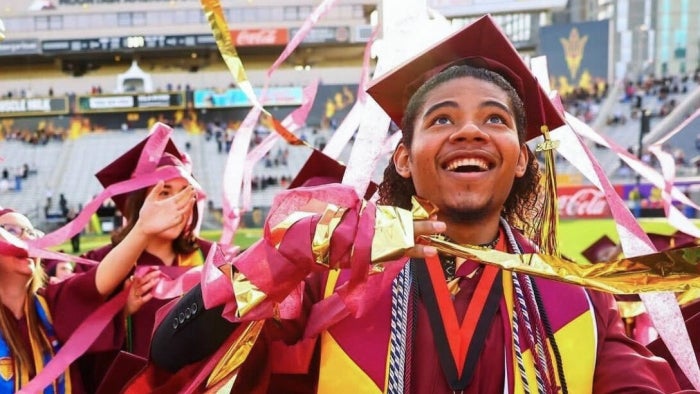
{"x": 244, "y": 238}
{"x": 574, "y": 235}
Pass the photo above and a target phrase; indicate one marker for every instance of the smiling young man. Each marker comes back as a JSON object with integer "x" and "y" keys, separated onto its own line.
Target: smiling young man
{"x": 424, "y": 323}
{"x": 464, "y": 156}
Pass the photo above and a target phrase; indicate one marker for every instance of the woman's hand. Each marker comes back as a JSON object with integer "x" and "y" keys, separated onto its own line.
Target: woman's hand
{"x": 160, "y": 214}
{"x": 425, "y": 227}
{"x": 140, "y": 290}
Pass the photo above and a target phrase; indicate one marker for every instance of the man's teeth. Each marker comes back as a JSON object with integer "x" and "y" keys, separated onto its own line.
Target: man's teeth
{"x": 475, "y": 163}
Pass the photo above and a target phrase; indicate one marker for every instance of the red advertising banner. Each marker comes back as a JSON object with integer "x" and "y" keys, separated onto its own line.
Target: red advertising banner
{"x": 260, "y": 37}
{"x": 583, "y": 202}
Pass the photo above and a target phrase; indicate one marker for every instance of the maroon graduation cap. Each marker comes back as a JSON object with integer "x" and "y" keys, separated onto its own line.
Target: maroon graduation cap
{"x": 482, "y": 44}
{"x": 602, "y": 250}
{"x": 681, "y": 239}
{"x": 320, "y": 169}
{"x": 673, "y": 241}
{"x": 139, "y": 161}
{"x": 661, "y": 241}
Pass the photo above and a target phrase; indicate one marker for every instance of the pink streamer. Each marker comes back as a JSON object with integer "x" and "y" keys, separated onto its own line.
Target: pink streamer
{"x": 319, "y": 12}
{"x": 345, "y": 131}
{"x": 216, "y": 287}
{"x": 271, "y": 271}
{"x": 167, "y": 288}
{"x": 297, "y": 119}
{"x": 84, "y": 336}
{"x": 153, "y": 150}
{"x": 76, "y": 225}
{"x": 279, "y": 273}
{"x": 47, "y": 254}
{"x": 233, "y": 176}
{"x": 231, "y": 200}
{"x": 372, "y": 131}
{"x": 662, "y": 307}
{"x": 678, "y": 128}
{"x": 668, "y": 168}
{"x": 366, "y": 64}
{"x": 13, "y": 246}
{"x": 349, "y": 125}
{"x": 292, "y": 122}
{"x": 145, "y": 175}
{"x": 635, "y": 164}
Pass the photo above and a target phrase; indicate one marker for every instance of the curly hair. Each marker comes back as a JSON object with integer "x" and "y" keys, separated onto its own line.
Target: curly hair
{"x": 521, "y": 206}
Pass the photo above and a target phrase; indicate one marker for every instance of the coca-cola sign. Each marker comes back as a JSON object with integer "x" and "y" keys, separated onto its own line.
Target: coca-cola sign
{"x": 259, "y": 37}
{"x": 582, "y": 202}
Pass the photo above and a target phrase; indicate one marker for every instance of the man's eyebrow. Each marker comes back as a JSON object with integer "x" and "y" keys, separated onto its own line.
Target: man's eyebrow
{"x": 442, "y": 104}
{"x": 453, "y": 104}
{"x": 496, "y": 103}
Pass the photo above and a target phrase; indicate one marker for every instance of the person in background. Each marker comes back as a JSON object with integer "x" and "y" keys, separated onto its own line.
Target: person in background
{"x": 59, "y": 271}
{"x": 467, "y": 107}
{"x": 74, "y": 240}
{"x": 169, "y": 253}
{"x": 37, "y": 317}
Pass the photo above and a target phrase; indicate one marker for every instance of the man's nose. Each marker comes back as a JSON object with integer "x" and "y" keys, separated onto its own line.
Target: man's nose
{"x": 467, "y": 131}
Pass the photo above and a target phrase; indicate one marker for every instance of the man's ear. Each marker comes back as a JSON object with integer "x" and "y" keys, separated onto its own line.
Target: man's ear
{"x": 401, "y": 161}
{"x": 521, "y": 167}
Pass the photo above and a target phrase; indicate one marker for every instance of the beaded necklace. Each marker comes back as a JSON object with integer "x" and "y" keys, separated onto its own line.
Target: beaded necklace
{"x": 448, "y": 262}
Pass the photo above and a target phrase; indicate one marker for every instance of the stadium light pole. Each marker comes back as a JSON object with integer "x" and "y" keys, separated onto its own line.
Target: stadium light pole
{"x": 644, "y": 128}
{"x": 641, "y": 38}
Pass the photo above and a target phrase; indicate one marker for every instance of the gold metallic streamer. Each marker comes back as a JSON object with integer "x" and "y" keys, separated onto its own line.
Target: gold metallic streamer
{"x": 630, "y": 309}
{"x": 321, "y": 244}
{"x": 393, "y": 233}
{"x": 422, "y": 208}
{"x": 237, "y": 353}
{"x": 222, "y": 36}
{"x": 670, "y": 270}
{"x": 393, "y": 228}
{"x": 273, "y": 124}
{"x": 220, "y": 30}
{"x": 247, "y": 295}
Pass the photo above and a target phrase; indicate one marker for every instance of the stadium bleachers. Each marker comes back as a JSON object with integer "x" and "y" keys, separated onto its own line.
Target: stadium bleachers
{"x": 43, "y": 160}
{"x": 626, "y": 135}
{"x": 68, "y": 167}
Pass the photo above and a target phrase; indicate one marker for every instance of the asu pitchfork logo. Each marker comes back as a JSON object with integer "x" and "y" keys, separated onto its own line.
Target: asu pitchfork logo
{"x": 573, "y": 50}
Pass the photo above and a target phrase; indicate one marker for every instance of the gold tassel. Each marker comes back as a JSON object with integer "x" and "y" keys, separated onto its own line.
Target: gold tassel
{"x": 546, "y": 224}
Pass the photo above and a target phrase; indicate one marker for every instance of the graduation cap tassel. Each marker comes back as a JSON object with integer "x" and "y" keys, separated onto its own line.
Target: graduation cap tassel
{"x": 546, "y": 231}
{"x": 546, "y": 228}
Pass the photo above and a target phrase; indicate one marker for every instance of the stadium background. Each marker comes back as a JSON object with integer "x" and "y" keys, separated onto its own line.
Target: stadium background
{"x": 65, "y": 112}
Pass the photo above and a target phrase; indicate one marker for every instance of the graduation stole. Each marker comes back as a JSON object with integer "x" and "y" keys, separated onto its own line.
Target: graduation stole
{"x": 12, "y": 376}
{"x": 193, "y": 259}
{"x": 459, "y": 344}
